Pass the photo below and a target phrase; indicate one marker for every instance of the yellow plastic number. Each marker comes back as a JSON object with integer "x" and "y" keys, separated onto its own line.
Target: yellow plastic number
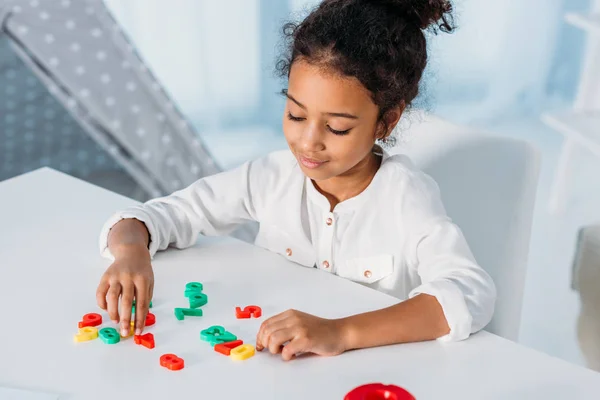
{"x": 242, "y": 352}
{"x": 86, "y": 334}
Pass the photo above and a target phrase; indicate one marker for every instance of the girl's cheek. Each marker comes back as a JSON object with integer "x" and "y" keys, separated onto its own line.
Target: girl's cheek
{"x": 291, "y": 133}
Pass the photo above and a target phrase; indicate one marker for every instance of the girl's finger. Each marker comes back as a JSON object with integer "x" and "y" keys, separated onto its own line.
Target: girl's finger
{"x": 112, "y": 298}
{"x": 126, "y": 303}
{"x": 141, "y": 307}
{"x": 101, "y": 294}
{"x": 278, "y": 338}
{"x": 267, "y": 329}
{"x": 295, "y": 346}
{"x": 265, "y": 325}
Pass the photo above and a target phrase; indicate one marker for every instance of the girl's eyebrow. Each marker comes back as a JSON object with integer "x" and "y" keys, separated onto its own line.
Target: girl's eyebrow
{"x": 302, "y": 106}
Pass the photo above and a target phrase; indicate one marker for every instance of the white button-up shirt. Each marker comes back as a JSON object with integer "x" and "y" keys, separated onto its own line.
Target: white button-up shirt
{"x": 395, "y": 236}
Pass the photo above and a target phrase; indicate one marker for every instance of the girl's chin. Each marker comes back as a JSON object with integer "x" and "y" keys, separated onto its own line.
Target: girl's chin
{"x": 317, "y": 174}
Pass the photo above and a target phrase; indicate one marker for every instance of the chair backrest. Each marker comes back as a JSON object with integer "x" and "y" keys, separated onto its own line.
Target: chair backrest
{"x": 488, "y": 185}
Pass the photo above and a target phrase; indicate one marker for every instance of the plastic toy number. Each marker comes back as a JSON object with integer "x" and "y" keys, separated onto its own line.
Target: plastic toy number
{"x": 217, "y": 334}
{"x": 379, "y": 391}
{"x": 254, "y": 311}
{"x": 172, "y": 362}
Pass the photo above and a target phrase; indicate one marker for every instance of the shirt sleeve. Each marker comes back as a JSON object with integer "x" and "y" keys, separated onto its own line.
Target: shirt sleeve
{"x": 212, "y": 206}
{"x": 445, "y": 264}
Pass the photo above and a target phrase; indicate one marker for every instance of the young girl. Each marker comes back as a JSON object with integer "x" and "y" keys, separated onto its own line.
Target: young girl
{"x": 335, "y": 201}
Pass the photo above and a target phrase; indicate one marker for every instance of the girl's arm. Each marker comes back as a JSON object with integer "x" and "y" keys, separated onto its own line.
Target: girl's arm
{"x": 417, "y": 319}
{"x": 293, "y": 332}
{"x": 212, "y": 206}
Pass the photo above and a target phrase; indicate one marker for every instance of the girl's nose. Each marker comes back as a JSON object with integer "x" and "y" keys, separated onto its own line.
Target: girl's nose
{"x": 312, "y": 139}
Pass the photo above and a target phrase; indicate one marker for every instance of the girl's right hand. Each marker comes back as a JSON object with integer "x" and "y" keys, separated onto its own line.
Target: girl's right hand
{"x": 129, "y": 277}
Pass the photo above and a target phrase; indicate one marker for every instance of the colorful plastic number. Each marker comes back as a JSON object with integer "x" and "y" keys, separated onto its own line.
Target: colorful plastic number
{"x": 197, "y": 300}
{"x": 242, "y": 352}
{"x": 181, "y": 313}
{"x": 150, "y": 319}
{"x": 91, "y": 319}
{"x": 225, "y": 348}
{"x": 86, "y": 334}
{"x": 248, "y": 311}
{"x": 172, "y": 362}
{"x": 379, "y": 391}
{"x": 109, "y": 335}
{"x": 217, "y": 334}
{"x": 146, "y": 340}
{"x": 192, "y": 288}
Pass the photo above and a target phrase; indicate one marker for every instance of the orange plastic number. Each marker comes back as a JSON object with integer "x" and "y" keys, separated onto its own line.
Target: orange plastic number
{"x": 172, "y": 362}
{"x": 91, "y": 319}
{"x": 254, "y": 311}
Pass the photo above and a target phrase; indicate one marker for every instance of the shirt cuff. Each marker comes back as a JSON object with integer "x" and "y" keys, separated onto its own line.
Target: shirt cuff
{"x": 133, "y": 212}
{"x": 453, "y": 305}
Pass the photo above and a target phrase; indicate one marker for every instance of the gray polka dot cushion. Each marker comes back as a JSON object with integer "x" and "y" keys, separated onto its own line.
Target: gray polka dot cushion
{"x": 76, "y": 96}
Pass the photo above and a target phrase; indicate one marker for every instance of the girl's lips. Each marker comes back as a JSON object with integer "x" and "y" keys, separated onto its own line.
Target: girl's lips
{"x": 310, "y": 162}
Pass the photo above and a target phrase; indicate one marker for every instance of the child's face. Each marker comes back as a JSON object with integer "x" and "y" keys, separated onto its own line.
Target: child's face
{"x": 326, "y": 143}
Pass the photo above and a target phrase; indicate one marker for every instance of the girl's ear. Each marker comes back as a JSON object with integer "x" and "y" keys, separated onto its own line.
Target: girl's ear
{"x": 391, "y": 119}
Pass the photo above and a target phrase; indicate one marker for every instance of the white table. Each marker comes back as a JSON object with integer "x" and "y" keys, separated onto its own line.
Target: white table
{"x": 50, "y": 266}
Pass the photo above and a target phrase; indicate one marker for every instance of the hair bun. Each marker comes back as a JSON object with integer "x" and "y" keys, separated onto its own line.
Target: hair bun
{"x": 424, "y": 13}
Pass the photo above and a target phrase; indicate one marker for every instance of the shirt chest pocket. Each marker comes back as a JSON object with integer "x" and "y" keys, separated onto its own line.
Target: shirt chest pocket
{"x": 277, "y": 240}
{"x": 366, "y": 269}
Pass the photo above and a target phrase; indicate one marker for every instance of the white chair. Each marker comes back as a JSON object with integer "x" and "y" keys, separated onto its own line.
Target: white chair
{"x": 488, "y": 186}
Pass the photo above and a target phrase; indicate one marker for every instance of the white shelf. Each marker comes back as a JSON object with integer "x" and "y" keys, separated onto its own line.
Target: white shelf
{"x": 584, "y": 127}
{"x": 588, "y": 22}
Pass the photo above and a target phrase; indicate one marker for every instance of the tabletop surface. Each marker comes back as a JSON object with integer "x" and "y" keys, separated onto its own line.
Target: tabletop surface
{"x": 50, "y": 267}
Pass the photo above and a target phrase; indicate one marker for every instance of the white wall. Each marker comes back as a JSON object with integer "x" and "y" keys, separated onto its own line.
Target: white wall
{"x": 205, "y": 52}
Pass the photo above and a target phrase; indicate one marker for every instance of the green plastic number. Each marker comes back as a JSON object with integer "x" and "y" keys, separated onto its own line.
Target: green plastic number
{"x": 109, "y": 335}
{"x": 217, "y": 334}
{"x": 198, "y": 300}
{"x": 193, "y": 288}
{"x": 181, "y": 313}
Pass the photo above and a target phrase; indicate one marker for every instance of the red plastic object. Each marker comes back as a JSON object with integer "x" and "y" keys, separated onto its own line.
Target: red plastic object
{"x": 379, "y": 391}
{"x": 91, "y": 319}
{"x": 248, "y": 311}
{"x": 146, "y": 340}
{"x": 172, "y": 362}
{"x": 150, "y": 319}
{"x": 225, "y": 348}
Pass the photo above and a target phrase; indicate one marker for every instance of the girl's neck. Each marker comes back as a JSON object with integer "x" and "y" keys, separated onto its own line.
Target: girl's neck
{"x": 350, "y": 184}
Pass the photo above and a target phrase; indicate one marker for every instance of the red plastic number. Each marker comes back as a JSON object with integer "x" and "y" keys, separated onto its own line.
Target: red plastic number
{"x": 91, "y": 319}
{"x": 146, "y": 340}
{"x": 150, "y": 319}
{"x": 171, "y": 361}
{"x": 379, "y": 391}
{"x": 225, "y": 348}
{"x": 248, "y": 311}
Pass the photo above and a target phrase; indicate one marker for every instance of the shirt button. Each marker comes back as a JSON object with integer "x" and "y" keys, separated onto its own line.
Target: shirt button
{"x": 325, "y": 264}
{"x": 368, "y": 274}
{"x": 288, "y": 252}
{"x": 329, "y": 221}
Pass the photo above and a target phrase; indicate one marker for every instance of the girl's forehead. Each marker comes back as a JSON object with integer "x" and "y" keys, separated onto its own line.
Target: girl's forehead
{"x": 319, "y": 84}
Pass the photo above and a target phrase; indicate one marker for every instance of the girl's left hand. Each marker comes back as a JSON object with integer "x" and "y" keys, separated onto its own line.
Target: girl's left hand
{"x": 303, "y": 333}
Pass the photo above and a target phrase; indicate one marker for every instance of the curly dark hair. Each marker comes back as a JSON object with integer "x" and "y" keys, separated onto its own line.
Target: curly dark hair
{"x": 379, "y": 42}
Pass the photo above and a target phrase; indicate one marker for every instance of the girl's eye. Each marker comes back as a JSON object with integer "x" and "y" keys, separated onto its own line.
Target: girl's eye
{"x": 292, "y": 118}
{"x": 341, "y": 133}
{"x": 336, "y": 132}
